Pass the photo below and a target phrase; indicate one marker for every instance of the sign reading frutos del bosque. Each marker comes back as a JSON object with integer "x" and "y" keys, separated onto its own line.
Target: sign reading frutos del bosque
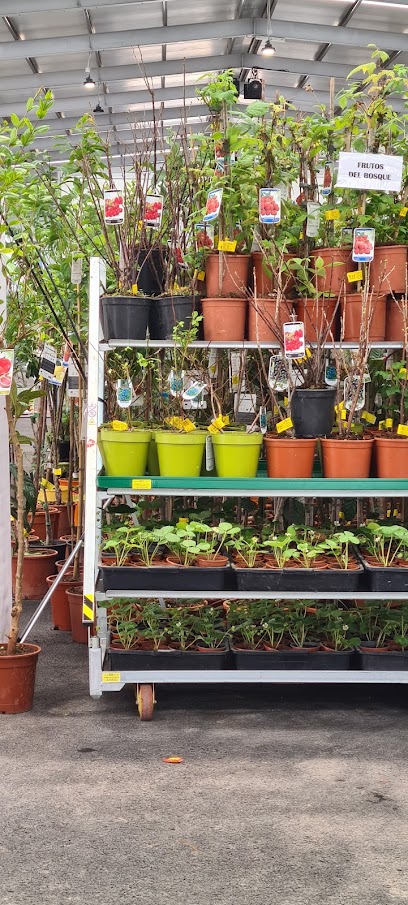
{"x": 375, "y": 172}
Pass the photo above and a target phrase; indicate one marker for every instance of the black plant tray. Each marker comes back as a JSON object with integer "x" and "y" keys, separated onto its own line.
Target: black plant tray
{"x": 166, "y": 578}
{"x": 166, "y": 659}
{"x": 293, "y": 659}
{"x": 302, "y": 580}
{"x": 391, "y": 660}
{"x": 394, "y": 580}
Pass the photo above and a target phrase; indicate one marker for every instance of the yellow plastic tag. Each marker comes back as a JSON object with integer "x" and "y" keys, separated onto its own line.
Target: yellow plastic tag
{"x": 402, "y": 430}
{"x": 285, "y": 401}
{"x": 402, "y": 372}
{"x": 201, "y": 275}
{"x": 119, "y": 426}
{"x": 388, "y": 513}
{"x": 341, "y": 514}
{"x": 108, "y": 678}
{"x": 134, "y": 289}
{"x": 338, "y": 408}
{"x": 284, "y": 425}
{"x": 46, "y": 484}
{"x": 388, "y": 423}
{"x": 381, "y": 425}
{"x": 301, "y": 236}
{"x": 395, "y": 513}
{"x": 188, "y": 426}
{"x": 355, "y": 276}
{"x": 227, "y": 245}
{"x": 343, "y": 414}
{"x": 403, "y": 212}
{"x": 220, "y": 421}
{"x": 141, "y": 484}
{"x": 57, "y": 472}
{"x": 332, "y": 215}
{"x": 367, "y": 416}
{"x": 212, "y": 429}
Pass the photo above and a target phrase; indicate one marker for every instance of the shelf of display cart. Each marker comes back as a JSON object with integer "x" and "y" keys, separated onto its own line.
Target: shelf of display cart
{"x": 259, "y": 487}
{"x": 244, "y": 344}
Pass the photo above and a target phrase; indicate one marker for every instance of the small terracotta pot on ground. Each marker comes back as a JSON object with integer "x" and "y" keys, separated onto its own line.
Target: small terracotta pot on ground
{"x": 224, "y": 319}
{"x": 17, "y": 678}
{"x": 344, "y": 458}
{"x": 234, "y": 275}
{"x": 319, "y": 317}
{"x": 337, "y": 262}
{"x": 351, "y": 310}
{"x": 36, "y": 568}
{"x": 391, "y": 454}
{"x": 289, "y": 457}
{"x": 388, "y": 270}
{"x": 78, "y": 630}
{"x": 266, "y": 318}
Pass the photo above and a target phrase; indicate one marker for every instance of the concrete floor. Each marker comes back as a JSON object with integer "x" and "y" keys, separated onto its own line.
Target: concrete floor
{"x": 292, "y": 796}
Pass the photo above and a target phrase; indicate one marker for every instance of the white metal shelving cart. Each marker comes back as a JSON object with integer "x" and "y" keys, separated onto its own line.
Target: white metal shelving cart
{"x": 98, "y": 493}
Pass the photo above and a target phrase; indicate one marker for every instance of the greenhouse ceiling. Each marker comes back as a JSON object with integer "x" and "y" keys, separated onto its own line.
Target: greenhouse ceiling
{"x": 132, "y": 46}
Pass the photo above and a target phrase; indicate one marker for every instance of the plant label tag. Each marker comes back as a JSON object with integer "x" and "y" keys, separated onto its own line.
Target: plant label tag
{"x": 213, "y": 205}
{"x": 350, "y": 389}
{"x": 327, "y": 178}
{"x": 284, "y": 425}
{"x": 294, "y": 339}
{"x": 403, "y": 212}
{"x": 330, "y": 374}
{"x": 236, "y": 364}
{"x": 355, "y": 276}
{"x": 402, "y": 430}
{"x": 262, "y": 420}
{"x": 113, "y": 209}
{"x": 277, "y": 374}
{"x": 212, "y": 363}
{"x": 247, "y": 404}
{"x": 48, "y": 361}
{"x": 227, "y": 245}
{"x": 209, "y": 454}
{"x": 367, "y": 416}
{"x": 332, "y": 215}
{"x": 363, "y": 244}
{"x": 124, "y": 393}
{"x": 153, "y": 211}
{"x": 194, "y": 390}
{"x": 204, "y": 236}
{"x": 110, "y": 678}
{"x": 73, "y": 381}
{"x": 269, "y": 205}
{"x": 313, "y": 219}
{"x": 6, "y": 371}
{"x": 176, "y": 383}
{"x": 141, "y": 484}
{"x": 76, "y": 270}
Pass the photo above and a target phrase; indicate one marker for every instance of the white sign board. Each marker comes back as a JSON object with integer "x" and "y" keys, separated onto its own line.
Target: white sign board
{"x": 373, "y": 172}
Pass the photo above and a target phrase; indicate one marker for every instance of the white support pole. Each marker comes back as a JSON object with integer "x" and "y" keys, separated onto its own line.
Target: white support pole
{"x": 5, "y": 546}
{"x": 94, "y": 414}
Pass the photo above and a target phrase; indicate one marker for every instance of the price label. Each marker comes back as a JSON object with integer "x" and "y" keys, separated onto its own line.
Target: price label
{"x": 367, "y": 416}
{"x": 388, "y": 424}
{"x": 402, "y": 430}
{"x": 403, "y": 212}
{"x": 141, "y": 484}
{"x": 57, "y": 472}
{"x": 108, "y": 678}
{"x": 355, "y": 276}
{"x": 201, "y": 275}
{"x": 332, "y": 215}
{"x": 284, "y": 425}
{"x": 227, "y": 245}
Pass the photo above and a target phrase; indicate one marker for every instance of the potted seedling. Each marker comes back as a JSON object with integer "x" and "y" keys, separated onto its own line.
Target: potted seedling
{"x": 384, "y": 553}
{"x": 339, "y": 638}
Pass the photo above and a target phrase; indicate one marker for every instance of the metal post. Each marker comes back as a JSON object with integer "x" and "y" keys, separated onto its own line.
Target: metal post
{"x": 91, "y": 466}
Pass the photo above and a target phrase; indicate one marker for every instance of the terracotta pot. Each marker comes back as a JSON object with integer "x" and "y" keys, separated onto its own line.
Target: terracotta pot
{"x": 234, "y": 276}
{"x": 265, "y": 280}
{"x": 388, "y": 270}
{"x": 289, "y": 457}
{"x": 346, "y": 458}
{"x": 36, "y": 568}
{"x": 337, "y": 263}
{"x": 351, "y": 310}
{"x": 60, "y": 615}
{"x": 224, "y": 319}
{"x": 265, "y": 320}
{"x": 394, "y": 326}
{"x": 79, "y": 632}
{"x": 38, "y": 522}
{"x": 215, "y": 563}
{"x": 63, "y": 522}
{"x": 374, "y": 650}
{"x": 17, "y": 678}
{"x": 391, "y": 457}
{"x": 319, "y": 317}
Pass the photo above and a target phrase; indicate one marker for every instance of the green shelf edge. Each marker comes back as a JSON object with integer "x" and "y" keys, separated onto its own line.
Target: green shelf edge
{"x": 333, "y": 486}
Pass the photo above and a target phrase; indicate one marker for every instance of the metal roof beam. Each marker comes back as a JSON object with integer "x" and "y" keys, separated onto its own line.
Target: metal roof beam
{"x": 7, "y": 8}
{"x": 124, "y": 120}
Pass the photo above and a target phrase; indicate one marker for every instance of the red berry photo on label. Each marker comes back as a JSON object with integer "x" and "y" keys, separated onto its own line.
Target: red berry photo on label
{"x": 213, "y": 205}
{"x": 269, "y": 205}
{"x": 153, "y": 211}
{"x": 113, "y": 206}
{"x": 363, "y": 244}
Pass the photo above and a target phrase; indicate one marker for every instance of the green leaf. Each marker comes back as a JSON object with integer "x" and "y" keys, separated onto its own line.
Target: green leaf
{"x": 29, "y": 104}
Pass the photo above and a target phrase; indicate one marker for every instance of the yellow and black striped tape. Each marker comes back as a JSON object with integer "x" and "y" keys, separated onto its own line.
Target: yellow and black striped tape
{"x": 88, "y": 608}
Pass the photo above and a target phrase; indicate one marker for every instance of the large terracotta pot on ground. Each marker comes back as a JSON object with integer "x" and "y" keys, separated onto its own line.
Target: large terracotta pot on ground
{"x": 289, "y": 457}
{"x": 352, "y": 313}
{"x": 234, "y": 275}
{"x": 388, "y": 270}
{"x": 17, "y": 678}
{"x": 37, "y": 566}
{"x": 391, "y": 455}
{"x": 78, "y": 630}
{"x": 60, "y": 615}
{"x": 319, "y": 317}
{"x": 337, "y": 263}
{"x": 38, "y": 522}
{"x": 265, "y": 279}
{"x": 224, "y": 319}
{"x": 396, "y": 324}
{"x": 346, "y": 458}
{"x": 266, "y": 318}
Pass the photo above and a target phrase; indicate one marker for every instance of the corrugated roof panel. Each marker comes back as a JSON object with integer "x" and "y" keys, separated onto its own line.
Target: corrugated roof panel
{"x": 323, "y": 12}
{"x": 49, "y": 24}
{"x": 119, "y": 18}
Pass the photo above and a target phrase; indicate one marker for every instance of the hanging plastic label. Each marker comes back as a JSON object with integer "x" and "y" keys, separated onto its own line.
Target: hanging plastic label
{"x": 73, "y": 380}
{"x": 327, "y": 178}
{"x": 193, "y": 390}
{"x": 76, "y": 270}
{"x": 269, "y": 205}
{"x": 48, "y": 361}
{"x": 153, "y": 211}
{"x": 363, "y": 244}
{"x": 262, "y": 420}
{"x": 403, "y": 212}
{"x": 113, "y": 209}
{"x": 236, "y": 363}
{"x": 294, "y": 339}
{"x": 277, "y": 374}
{"x": 124, "y": 393}
{"x": 6, "y": 371}
{"x": 402, "y": 430}
{"x": 227, "y": 245}
{"x": 350, "y": 389}
{"x": 213, "y": 205}
{"x": 204, "y": 236}
{"x": 209, "y": 454}
{"x": 367, "y": 416}
{"x": 176, "y": 383}
{"x": 332, "y": 215}
{"x": 330, "y": 374}
{"x": 313, "y": 219}
{"x": 212, "y": 363}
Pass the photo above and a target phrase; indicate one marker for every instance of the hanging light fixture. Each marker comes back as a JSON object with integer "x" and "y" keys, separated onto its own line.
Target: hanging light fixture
{"x": 88, "y": 80}
{"x": 268, "y": 49}
{"x": 98, "y": 108}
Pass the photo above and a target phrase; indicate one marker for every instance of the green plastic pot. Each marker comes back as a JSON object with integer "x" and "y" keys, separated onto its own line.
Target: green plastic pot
{"x": 124, "y": 452}
{"x": 236, "y": 454}
{"x": 180, "y": 455}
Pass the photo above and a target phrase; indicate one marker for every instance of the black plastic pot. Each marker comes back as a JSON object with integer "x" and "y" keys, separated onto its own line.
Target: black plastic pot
{"x": 166, "y": 312}
{"x": 312, "y": 412}
{"x": 150, "y": 276}
{"x": 302, "y": 580}
{"x": 125, "y": 317}
{"x": 389, "y": 660}
{"x": 58, "y": 545}
{"x": 166, "y": 659}
{"x": 64, "y": 449}
{"x": 379, "y": 578}
{"x": 292, "y": 659}
{"x": 166, "y": 578}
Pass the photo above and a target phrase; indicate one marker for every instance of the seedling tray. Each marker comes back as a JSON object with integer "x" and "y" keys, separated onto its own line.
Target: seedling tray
{"x": 385, "y": 580}
{"x": 302, "y": 580}
{"x": 293, "y": 659}
{"x": 166, "y": 659}
{"x": 166, "y": 578}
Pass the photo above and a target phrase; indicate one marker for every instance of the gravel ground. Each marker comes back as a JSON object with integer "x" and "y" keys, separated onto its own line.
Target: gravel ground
{"x": 291, "y": 796}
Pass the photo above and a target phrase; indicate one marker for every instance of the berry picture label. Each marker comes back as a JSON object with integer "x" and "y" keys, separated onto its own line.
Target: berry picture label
{"x": 124, "y": 393}
{"x": 113, "y": 208}
{"x": 269, "y": 205}
{"x": 6, "y": 371}
{"x": 294, "y": 339}
{"x": 363, "y": 245}
{"x": 153, "y": 211}
{"x": 204, "y": 235}
{"x": 213, "y": 205}
{"x": 376, "y": 172}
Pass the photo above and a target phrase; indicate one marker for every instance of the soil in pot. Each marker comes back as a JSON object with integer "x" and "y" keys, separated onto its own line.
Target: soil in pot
{"x": 319, "y": 317}
{"x": 388, "y": 270}
{"x": 289, "y": 457}
{"x": 125, "y": 317}
{"x": 166, "y": 312}
{"x": 312, "y": 412}
{"x": 346, "y": 458}
{"x": 337, "y": 262}
{"x": 234, "y": 275}
{"x": 124, "y": 452}
{"x": 266, "y": 318}
{"x": 17, "y": 678}
{"x": 180, "y": 455}
{"x": 236, "y": 454}
{"x": 351, "y": 310}
{"x": 391, "y": 457}
{"x": 36, "y": 568}
{"x": 224, "y": 319}
{"x": 78, "y": 630}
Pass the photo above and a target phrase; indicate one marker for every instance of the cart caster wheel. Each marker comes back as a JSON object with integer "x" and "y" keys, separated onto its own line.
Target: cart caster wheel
{"x": 145, "y": 701}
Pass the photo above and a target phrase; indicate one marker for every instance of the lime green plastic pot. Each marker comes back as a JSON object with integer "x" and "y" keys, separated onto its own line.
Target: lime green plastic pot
{"x": 180, "y": 455}
{"x": 236, "y": 454}
{"x": 124, "y": 452}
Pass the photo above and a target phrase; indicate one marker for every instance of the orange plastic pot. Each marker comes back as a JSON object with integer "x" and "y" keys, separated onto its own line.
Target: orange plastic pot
{"x": 224, "y": 319}
{"x": 319, "y": 316}
{"x": 38, "y": 522}
{"x": 388, "y": 270}
{"x": 288, "y": 457}
{"x": 265, "y": 279}
{"x": 391, "y": 455}
{"x": 78, "y": 630}
{"x": 266, "y": 317}
{"x": 352, "y": 316}
{"x": 346, "y": 458}
{"x": 60, "y": 614}
{"x": 234, "y": 275}
{"x": 337, "y": 262}
{"x": 37, "y": 566}
{"x": 394, "y": 325}
{"x": 17, "y": 678}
